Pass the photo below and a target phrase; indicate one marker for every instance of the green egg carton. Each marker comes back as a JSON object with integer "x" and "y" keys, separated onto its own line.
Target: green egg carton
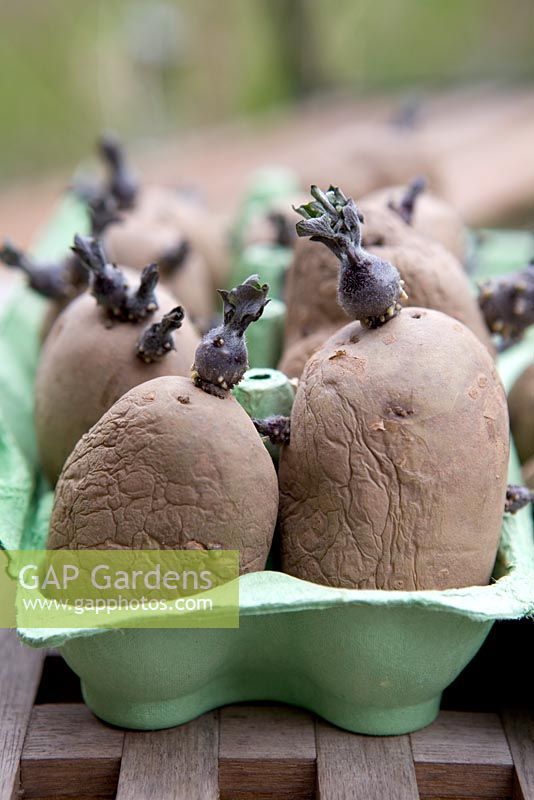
{"x": 373, "y": 662}
{"x": 265, "y": 338}
{"x": 269, "y": 261}
{"x": 496, "y": 251}
{"x": 267, "y": 186}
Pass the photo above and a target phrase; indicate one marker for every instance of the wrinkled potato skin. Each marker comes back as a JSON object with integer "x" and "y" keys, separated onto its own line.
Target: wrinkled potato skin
{"x": 396, "y": 473}
{"x": 168, "y": 464}
{"x": 432, "y": 217}
{"x": 137, "y": 244}
{"x": 433, "y": 278}
{"x": 295, "y": 357}
{"x": 86, "y": 364}
{"x": 521, "y": 407}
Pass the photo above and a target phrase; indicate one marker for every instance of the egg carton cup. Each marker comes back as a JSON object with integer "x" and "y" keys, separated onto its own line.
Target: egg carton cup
{"x": 370, "y": 661}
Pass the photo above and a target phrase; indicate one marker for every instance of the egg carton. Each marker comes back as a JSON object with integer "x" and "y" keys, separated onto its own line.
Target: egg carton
{"x": 369, "y": 661}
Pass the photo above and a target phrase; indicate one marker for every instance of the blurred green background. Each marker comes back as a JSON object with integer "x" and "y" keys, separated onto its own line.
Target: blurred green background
{"x": 150, "y": 68}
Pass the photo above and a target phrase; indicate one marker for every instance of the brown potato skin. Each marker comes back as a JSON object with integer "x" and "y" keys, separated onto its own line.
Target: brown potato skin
{"x": 311, "y": 292}
{"x": 434, "y": 278}
{"x": 166, "y": 465}
{"x": 521, "y": 408}
{"x": 86, "y": 364}
{"x": 137, "y": 243}
{"x": 433, "y": 217}
{"x": 295, "y": 357}
{"x": 54, "y": 309}
{"x": 395, "y": 476}
{"x": 207, "y": 231}
{"x": 528, "y": 473}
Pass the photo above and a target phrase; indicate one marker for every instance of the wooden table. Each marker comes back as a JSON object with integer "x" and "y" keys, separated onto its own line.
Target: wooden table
{"x": 51, "y": 746}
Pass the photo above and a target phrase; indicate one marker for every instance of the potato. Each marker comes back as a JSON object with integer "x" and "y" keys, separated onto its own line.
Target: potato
{"x": 528, "y": 473}
{"x": 121, "y": 196}
{"x": 184, "y": 273}
{"x": 433, "y": 278}
{"x": 395, "y": 475}
{"x": 89, "y": 360}
{"x": 295, "y": 357}
{"x": 169, "y": 466}
{"x": 431, "y": 216}
{"x": 206, "y": 230}
{"x": 311, "y": 290}
{"x": 208, "y": 233}
{"x": 53, "y": 310}
{"x": 521, "y": 407}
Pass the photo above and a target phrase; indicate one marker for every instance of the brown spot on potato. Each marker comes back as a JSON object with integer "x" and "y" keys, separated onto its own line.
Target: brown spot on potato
{"x": 490, "y": 427}
{"x": 378, "y": 426}
{"x": 296, "y": 355}
{"x": 389, "y": 339}
{"x": 400, "y": 411}
{"x": 184, "y": 399}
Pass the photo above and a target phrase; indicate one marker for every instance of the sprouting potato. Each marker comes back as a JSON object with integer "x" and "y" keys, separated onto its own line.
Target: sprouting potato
{"x": 426, "y": 213}
{"x": 176, "y": 462}
{"x": 433, "y": 278}
{"x": 99, "y": 347}
{"x": 395, "y": 473}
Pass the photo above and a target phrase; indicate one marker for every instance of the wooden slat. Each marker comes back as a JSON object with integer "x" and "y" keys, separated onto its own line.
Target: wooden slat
{"x": 463, "y": 755}
{"x": 20, "y": 670}
{"x": 352, "y": 767}
{"x": 269, "y": 752}
{"x": 76, "y": 797}
{"x": 266, "y": 752}
{"x": 519, "y": 729}
{"x": 68, "y": 752}
{"x": 175, "y": 764}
